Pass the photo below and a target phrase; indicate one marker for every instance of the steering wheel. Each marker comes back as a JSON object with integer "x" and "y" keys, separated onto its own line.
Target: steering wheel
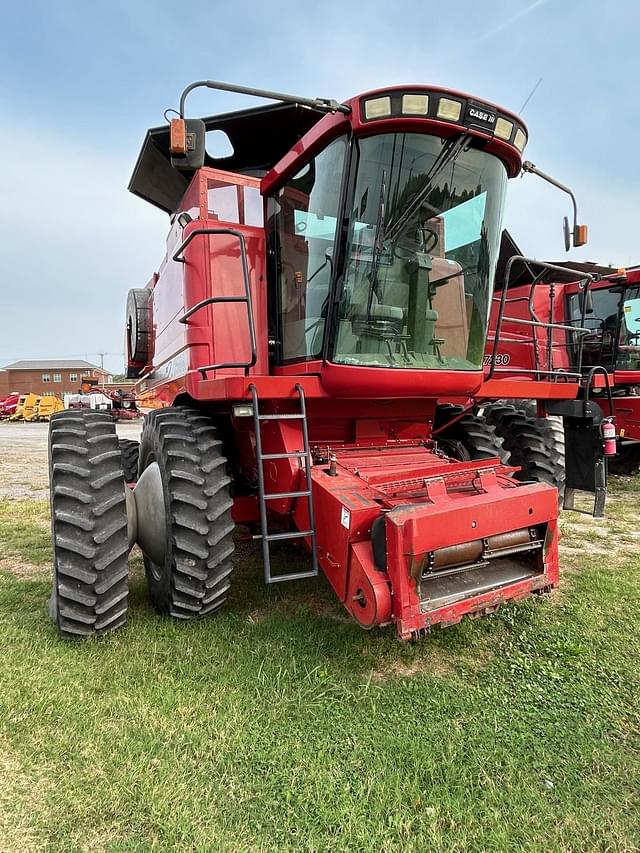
{"x": 405, "y": 249}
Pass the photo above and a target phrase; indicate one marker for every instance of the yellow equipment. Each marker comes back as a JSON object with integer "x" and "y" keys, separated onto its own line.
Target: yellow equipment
{"x": 46, "y": 407}
{"x": 30, "y": 407}
{"x": 17, "y": 415}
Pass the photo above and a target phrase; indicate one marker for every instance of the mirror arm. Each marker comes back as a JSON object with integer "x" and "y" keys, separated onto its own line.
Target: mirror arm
{"x": 528, "y": 166}
{"x": 327, "y": 104}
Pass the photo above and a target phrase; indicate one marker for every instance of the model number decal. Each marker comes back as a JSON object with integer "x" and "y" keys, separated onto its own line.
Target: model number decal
{"x": 501, "y": 359}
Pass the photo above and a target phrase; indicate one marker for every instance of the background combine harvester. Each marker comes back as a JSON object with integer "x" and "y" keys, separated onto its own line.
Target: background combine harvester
{"x": 323, "y": 286}
{"x": 613, "y": 342}
{"x": 544, "y": 322}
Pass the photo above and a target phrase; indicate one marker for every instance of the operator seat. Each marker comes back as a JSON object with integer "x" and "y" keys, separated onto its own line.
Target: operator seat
{"x": 449, "y": 300}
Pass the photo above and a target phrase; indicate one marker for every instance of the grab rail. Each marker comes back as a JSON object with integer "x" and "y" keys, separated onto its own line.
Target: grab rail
{"x": 535, "y": 321}
{"x": 178, "y": 256}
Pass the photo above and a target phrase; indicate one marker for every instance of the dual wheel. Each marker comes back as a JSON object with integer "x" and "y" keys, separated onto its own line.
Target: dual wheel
{"x": 514, "y": 434}
{"x": 179, "y": 512}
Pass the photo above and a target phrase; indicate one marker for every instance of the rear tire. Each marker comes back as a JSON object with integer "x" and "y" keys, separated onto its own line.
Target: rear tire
{"x": 195, "y": 575}
{"x": 88, "y": 523}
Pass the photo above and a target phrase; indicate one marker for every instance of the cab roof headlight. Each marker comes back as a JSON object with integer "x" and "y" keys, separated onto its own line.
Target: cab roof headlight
{"x": 449, "y": 109}
{"x": 503, "y": 129}
{"x": 377, "y": 107}
{"x": 520, "y": 140}
{"x": 415, "y": 105}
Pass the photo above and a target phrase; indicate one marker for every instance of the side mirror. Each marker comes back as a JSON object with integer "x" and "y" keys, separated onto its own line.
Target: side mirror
{"x": 187, "y": 139}
{"x": 566, "y": 233}
{"x": 579, "y": 235}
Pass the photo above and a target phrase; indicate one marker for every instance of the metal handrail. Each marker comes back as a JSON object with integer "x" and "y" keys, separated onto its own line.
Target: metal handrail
{"x": 178, "y": 256}
{"x": 536, "y": 321}
{"x": 547, "y": 325}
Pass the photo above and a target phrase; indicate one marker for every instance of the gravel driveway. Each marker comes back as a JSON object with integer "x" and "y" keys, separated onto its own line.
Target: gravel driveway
{"x": 23, "y": 457}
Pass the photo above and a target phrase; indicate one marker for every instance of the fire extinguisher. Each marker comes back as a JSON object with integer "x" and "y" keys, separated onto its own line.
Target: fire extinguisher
{"x": 609, "y": 437}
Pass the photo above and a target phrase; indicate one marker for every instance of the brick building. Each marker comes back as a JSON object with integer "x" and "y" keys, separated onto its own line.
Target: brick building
{"x": 48, "y": 376}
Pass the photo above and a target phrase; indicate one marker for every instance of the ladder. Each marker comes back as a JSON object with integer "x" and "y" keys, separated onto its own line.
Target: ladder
{"x": 305, "y": 453}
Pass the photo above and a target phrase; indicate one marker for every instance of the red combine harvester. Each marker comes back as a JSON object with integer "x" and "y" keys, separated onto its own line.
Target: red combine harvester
{"x": 613, "y": 341}
{"x": 323, "y": 286}
{"x": 542, "y": 323}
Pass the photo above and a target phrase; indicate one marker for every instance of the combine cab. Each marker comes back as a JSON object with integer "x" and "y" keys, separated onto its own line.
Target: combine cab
{"x": 322, "y": 288}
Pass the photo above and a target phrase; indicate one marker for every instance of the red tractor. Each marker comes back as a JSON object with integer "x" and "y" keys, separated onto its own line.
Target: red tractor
{"x": 323, "y": 286}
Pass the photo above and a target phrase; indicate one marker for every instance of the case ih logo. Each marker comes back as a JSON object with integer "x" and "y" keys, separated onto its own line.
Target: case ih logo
{"x": 481, "y": 115}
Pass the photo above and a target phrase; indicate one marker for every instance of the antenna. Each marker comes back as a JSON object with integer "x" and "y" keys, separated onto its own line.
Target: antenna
{"x": 529, "y": 96}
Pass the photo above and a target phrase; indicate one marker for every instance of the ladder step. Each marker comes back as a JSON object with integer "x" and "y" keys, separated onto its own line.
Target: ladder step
{"x": 299, "y": 576}
{"x": 277, "y": 495}
{"x": 268, "y": 538}
{"x": 280, "y": 537}
{"x": 292, "y": 455}
{"x": 280, "y": 417}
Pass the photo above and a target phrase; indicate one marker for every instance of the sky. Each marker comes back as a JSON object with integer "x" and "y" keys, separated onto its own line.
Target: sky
{"x": 81, "y": 82}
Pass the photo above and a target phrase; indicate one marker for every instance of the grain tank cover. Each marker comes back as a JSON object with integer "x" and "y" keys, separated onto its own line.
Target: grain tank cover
{"x": 260, "y": 137}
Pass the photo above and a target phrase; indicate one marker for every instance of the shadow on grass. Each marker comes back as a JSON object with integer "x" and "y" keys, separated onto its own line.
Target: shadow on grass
{"x": 295, "y": 623}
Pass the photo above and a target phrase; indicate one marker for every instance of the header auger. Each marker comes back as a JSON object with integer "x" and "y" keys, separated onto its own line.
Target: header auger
{"x": 324, "y": 285}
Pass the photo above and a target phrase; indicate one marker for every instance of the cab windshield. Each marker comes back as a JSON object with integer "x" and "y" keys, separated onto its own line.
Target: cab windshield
{"x": 613, "y": 323}
{"x": 423, "y": 240}
{"x": 629, "y": 350}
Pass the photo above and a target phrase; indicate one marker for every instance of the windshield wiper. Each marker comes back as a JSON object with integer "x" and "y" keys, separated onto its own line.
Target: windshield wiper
{"x": 378, "y": 244}
{"x": 390, "y": 233}
{"x": 449, "y": 154}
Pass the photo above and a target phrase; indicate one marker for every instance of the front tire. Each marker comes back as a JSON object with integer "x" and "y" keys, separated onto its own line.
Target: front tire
{"x": 470, "y": 438}
{"x": 536, "y": 444}
{"x": 89, "y": 524}
{"x": 192, "y": 576}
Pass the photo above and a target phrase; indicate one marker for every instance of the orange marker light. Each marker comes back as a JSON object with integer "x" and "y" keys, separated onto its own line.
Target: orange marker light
{"x": 178, "y": 136}
{"x": 580, "y": 235}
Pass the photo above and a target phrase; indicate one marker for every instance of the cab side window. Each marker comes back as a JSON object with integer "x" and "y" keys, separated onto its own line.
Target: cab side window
{"x": 306, "y": 223}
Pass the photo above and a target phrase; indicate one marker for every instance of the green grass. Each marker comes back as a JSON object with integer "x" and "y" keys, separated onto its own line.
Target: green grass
{"x": 282, "y": 726}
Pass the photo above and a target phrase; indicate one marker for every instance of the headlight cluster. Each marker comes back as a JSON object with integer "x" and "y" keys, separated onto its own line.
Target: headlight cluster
{"x": 434, "y": 105}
